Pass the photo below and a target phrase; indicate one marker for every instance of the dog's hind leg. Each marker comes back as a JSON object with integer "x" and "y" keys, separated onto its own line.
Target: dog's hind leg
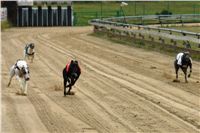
{"x": 12, "y": 73}
{"x": 186, "y": 81}
{"x": 185, "y": 73}
{"x": 176, "y": 69}
{"x": 177, "y": 72}
{"x": 65, "y": 82}
{"x": 9, "y": 81}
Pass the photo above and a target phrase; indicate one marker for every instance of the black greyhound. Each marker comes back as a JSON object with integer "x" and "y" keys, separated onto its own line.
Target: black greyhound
{"x": 71, "y": 74}
{"x": 186, "y": 61}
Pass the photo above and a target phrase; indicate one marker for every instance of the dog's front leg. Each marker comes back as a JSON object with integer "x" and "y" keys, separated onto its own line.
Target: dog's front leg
{"x": 21, "y": 85}
{"x": 25, "y": 84}
{"x": 69, "y": 80}
{"x": 70, "y": 87}
{"x": 32, "y": 58}
{"x": 24, "y": 54}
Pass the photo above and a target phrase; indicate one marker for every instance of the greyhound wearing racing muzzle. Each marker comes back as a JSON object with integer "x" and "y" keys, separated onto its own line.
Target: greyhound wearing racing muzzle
{"x": 21, "y": 70}
{"x": 29, "y": 51}
{"x": 71, "y": 74}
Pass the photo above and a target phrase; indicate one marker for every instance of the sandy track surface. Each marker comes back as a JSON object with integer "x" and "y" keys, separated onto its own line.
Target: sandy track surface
{"x": 121, "y": 89}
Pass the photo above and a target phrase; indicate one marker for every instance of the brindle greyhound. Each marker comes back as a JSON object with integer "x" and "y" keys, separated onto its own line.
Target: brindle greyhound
{"x": 183, "y": 60}
{"x": 71, "y": 74}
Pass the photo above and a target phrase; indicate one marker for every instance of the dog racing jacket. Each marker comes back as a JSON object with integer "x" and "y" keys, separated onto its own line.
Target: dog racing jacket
{"x": 68, "y": 67}
{"x": 179, "y": 58}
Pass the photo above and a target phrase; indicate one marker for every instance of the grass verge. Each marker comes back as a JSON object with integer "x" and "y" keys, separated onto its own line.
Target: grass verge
{"x": 5, "y": 25}
{"x": 147, "y": 45}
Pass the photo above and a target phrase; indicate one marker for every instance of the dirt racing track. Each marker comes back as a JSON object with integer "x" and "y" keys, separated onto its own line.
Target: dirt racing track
{"x": 121, "y": 88}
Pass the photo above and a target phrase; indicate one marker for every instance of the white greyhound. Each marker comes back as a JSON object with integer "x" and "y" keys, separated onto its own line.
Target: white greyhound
{"x": 21, "y": 70}
{"x": 29, "y": 51}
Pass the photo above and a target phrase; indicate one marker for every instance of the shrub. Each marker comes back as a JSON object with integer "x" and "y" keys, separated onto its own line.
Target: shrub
{"x": 164, "y": 12}
{"x": 141, "y": 43}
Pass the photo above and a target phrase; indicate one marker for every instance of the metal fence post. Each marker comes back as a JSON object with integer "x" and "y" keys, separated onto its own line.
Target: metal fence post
{"x": 18, "y": 16}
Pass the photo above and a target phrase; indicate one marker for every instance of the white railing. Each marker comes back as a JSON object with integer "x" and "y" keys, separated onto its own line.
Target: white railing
{"x": 149, "y": 29}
